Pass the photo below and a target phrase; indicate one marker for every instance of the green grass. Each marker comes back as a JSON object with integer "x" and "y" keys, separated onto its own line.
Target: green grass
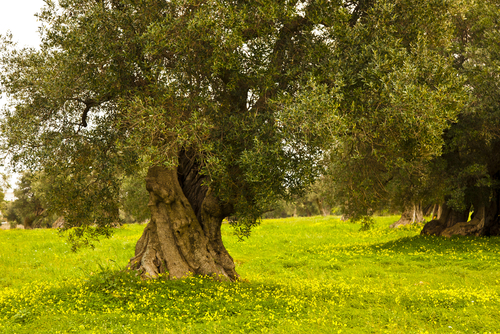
{"x": 299, "y": 275}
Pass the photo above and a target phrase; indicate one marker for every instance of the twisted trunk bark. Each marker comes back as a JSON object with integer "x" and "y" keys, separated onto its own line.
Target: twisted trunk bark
{"x": 485, "y": 220}
{"x": 183, "y": 237}
{"x": 446, "y": 217}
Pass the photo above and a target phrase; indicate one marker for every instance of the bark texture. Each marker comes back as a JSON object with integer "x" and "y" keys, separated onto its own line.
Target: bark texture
{"x": 485, "y": 220}
{"x": 183, "y": 237}
{"x": 411, "y": 214}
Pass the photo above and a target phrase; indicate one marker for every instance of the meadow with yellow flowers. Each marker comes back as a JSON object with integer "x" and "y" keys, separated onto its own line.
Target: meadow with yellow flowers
{"x": 298, "y": 275}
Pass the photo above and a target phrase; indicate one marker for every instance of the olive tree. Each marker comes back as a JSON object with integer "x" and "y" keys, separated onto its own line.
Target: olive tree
{"x": 193, "y": 90}
{"x": 400, "y": 93}
{"x": 422, "y": 115}
{"x": 467, "y": 174}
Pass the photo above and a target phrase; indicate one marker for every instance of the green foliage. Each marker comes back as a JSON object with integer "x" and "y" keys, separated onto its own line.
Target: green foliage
{"x": 469, "y": 165}
{"x": 400, "y": 94}
{"x": 419, "y": 107}
{"x": 378, "y": 97}
{"x": 138, "y": 81}
{"x": 367, "y": 222}
{"x": 301, "y": 275}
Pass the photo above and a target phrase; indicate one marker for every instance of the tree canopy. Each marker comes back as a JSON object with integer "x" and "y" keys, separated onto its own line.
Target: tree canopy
{"x": 117, "y": 83}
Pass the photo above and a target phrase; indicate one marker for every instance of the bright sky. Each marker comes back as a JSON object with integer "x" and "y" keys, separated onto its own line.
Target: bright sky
{"x": 18, "y": 17}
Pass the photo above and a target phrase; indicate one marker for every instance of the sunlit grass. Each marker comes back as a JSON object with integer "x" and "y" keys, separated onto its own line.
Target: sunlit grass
{"x": 299, "y": 275}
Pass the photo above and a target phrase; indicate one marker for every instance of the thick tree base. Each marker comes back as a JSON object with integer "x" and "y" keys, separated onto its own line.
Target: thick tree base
{"x": 176, "y": 242}
{"x": 484, "y": 222}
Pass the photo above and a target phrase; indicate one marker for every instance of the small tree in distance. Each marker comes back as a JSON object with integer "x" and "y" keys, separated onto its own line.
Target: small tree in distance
{"x": 134, "y": 198}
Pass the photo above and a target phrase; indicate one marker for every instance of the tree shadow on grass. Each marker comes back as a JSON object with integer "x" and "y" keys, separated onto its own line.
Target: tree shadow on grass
{"x": 434, "y": 244}
{"x": 416, "y": 245}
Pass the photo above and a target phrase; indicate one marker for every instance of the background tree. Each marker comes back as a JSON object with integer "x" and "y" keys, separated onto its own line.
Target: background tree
{"x": 28, "y": 209}
{"x": 400, "y": 93}
{"x": 315, "y": 201}
{"x": 134, "y": 198}
{"x": 4, "y": 187}
{"x": 396, "y": 150}
{"x": 319, "y": 195}
{"x": 468, "y": 173}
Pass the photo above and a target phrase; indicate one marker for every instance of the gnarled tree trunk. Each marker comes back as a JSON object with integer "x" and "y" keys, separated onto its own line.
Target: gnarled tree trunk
{"x": 183, "y": 237}
{"x": 446, "y": 218}
{"x": 411, "y": 214}
{"x": 485, "y": 220}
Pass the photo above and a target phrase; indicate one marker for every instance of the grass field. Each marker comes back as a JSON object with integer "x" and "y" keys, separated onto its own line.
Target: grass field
{"x": 300, "y": 275}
